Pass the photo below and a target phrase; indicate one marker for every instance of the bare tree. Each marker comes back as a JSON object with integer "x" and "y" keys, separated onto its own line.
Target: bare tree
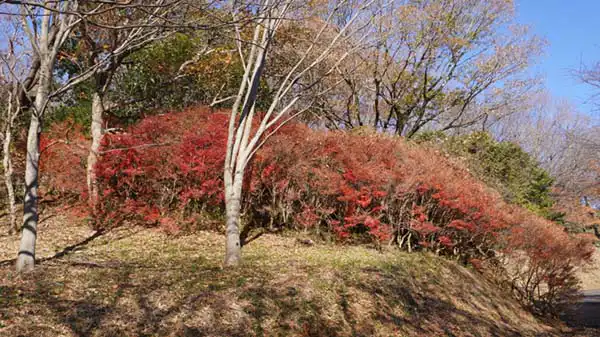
{"x": 19, "y": 70}
{"x": 12, "y": 108}
{"x": 244, "y": 136}
{"x": 590, "y": 74}
{"x": 562, "y": 139}
{"x": 47, "y": 25}
{"x": 147, "y": 22}
{"x": 113, "y": 29}
{"x": 441, "y": 64}
{"x": 47, "y": 28}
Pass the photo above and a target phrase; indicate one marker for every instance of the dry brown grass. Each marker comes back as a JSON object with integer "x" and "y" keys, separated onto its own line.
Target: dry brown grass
{"x": 136, "y": 282}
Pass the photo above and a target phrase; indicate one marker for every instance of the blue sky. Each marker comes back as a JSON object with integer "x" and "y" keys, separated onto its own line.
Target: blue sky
{"x": 572, "y": 28}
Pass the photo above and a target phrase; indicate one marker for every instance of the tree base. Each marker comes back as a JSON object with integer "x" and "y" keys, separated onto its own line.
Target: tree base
{"x": 25, "y": 263}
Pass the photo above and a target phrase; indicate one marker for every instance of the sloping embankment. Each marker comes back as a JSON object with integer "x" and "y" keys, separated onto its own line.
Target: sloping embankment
{"x": 141, "y": 282}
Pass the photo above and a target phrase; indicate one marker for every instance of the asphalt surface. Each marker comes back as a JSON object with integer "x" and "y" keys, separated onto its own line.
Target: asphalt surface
{"x": 587, "y": 312}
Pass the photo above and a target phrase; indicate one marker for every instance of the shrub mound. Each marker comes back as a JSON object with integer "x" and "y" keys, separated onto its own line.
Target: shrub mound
{"x": 353, "y": 188}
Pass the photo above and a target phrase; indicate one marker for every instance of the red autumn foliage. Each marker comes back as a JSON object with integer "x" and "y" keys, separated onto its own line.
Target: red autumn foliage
{"x": 165, "y": 163}
{"x": 358, "y": 188}
{"x": 64, "y": 150}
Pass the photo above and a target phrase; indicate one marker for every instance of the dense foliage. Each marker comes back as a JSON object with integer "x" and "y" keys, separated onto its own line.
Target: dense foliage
{"x": 349, "y": 187}
{"x": 175, "y": 73}
{"x": 182, "y": 70}
{"x": 64, "y": 149}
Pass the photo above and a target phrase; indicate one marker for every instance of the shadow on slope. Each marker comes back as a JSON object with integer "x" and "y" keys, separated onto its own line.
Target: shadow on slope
{"x": 147, "y": 284}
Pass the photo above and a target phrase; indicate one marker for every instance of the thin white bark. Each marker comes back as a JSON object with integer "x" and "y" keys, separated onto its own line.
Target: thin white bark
{"x": 96, "y": 132}
{"x": 242, "y": 143}
{"x": 26, "y": 254}
{"x": 18, "y": 79}
{"x": 46, "y": 37}
{"x": 47, "y": 26}
{"x": 11, "y": 114}
{"x": 144, "y": 30}
{"x": 234, "y": 172}
{"x": 233, "y": 253}
{"x": 8, "y": 181}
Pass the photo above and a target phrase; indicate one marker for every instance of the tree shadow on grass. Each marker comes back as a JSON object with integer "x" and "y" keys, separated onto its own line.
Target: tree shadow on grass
{"x": 195, "y": 297}
{"x": 293, "y": 313}
{"x": 209, "y": 302}
{"x": 73, "y": 247}
{"x": 65, "y": 251}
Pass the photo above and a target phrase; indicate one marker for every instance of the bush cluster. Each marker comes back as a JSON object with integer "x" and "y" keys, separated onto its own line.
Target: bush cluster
{"x": 353, "y": 188}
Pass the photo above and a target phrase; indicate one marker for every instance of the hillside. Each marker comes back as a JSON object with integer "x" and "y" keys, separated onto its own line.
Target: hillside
{"x": 292, "y": 168}
{"x": 140, "y": 282}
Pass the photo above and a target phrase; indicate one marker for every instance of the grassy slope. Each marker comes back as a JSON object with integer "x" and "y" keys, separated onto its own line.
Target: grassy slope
{"x": 143, "y": 283}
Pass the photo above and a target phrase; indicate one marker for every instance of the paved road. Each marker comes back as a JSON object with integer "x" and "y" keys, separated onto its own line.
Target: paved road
{"x": 587, "y": 314}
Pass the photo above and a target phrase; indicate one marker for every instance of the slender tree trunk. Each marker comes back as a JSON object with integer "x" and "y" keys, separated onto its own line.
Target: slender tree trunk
{"x": 233, "y": 205}
{"x": 96, "y": 131}
{"x": 26, "y": 255}
{"x": 8, "y": 175}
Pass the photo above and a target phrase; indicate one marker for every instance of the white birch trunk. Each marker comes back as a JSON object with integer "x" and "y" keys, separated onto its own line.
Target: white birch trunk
{"x": 233, "y": 205}
{"x": 8, "y": 178}
{"x": 242, "y": 141}
{"x": 26, "y": 255}
{"x": 96, "y": 131}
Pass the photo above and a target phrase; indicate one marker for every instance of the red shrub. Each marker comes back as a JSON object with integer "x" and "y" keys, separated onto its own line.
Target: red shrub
{"x": 64, "y": 150}
{"x": 360, "y": 188}
{"x": 540, "y": 263}
{"x": 165, "y": 163}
